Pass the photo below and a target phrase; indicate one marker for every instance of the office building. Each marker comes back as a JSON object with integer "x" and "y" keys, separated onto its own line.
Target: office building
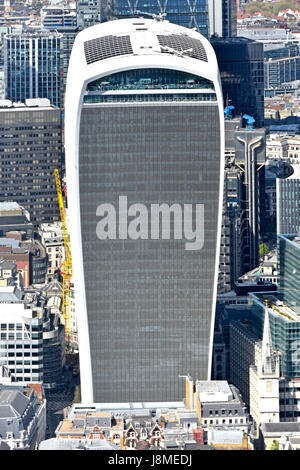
{"x": 245, "y": 193}
{"x": 89, "y": 12}
{"x": 288, "y": 267}
{"x": 209, "y": 17}
{"x": 288, "y": 202}
{"x": 184, "y": 13}
{"x": 32, "y": 66}
{"x": 142, "y": 292}
{"x": 29, "y": 255}
{"x": 30, "y": 150}
{"x": 221, "y": 405}
{"x": 241, "y": 64}
{"x": 58, "y": 16}
{"x": 63, "y": 19}
{"x": 51, "y": 236}
{"x": 282, "y": 144}
{"x": 284, "y": 326}
{"x": 222, "y": 18}
{"x": 21, "y": 337}
{"x": 32, "y": 343}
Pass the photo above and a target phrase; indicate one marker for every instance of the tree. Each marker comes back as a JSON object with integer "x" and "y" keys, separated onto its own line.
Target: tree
{"x": 275, "y": 445}
{"x": 263, "y": 250}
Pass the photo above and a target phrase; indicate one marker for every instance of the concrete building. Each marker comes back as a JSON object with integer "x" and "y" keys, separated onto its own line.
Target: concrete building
{"x": 221, "y": 405}
{"x": 266, "y": 274}
{"x": 32, "y": 66}
{"x": 88, "y": 13}
{"x": 14, "y": 218}
{"x": 29, "y": 255}
{"x": 229, "y": 439}
{"x": 58, "y": 16}
{"x": 30, "y": 150}
{"x": 53, "y": 241}
{"x": 22, "y": 417}
{"x": 77, "y": 444}
{"x": 31, "y": 340}
{"x": 280, "y": 436}
{"x": 122, "y": 282}
{"x": 245, "y": 193}
{"x": 283, "y": 147}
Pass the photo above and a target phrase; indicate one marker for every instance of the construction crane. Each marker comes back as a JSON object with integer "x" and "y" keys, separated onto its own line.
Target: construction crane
{"x": 66, "y": 271}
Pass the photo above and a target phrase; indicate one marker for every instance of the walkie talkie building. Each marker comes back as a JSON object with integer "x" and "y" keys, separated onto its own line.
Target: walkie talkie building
{"x": 144, "y": 155}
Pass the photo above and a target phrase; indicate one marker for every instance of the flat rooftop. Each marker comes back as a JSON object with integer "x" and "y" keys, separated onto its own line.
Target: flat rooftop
{"x": 277, "y": 307}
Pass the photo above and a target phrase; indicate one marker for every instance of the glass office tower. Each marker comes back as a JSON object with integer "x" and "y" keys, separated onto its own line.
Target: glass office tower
{"x": 190, "y": 14}
{"x": 33, "y": 66}
{"x": 144, "y": 125}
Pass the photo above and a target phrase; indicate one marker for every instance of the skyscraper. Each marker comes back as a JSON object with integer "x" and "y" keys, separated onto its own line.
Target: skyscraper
{"x": 30, "y": 150}
{"x": 222, "y": 17}
{"x": 33, "y": 66}
{"x": 288, "y": 202}
{"x": 144, "y": 140}
{"x": 190, "y": 14}
{"x": 241, "y": 63}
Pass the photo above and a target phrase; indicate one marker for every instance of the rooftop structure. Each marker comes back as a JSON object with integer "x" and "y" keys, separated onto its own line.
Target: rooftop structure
{"x": 22, "y": 417}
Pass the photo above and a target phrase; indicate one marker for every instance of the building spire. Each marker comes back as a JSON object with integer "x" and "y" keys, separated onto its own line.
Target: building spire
{"x": 267, "y": 353}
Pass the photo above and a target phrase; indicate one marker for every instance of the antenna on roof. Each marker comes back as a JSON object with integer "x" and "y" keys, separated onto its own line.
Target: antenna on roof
{"x": 179, "y": 53}
{"x": 157, "y": 17}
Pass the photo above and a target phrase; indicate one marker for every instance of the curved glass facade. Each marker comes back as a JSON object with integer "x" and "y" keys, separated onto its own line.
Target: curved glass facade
{"x": 149, "y": 301}
{"x": 149, "y": 79}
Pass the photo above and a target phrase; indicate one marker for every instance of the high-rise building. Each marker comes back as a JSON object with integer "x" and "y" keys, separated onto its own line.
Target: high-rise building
{"x": 288, "y": 202}
{"x": 30, "y": 150}
{"x": 245, "y": 191}
{"x": 33, "y": 66}
{"x": 144, "y": 128}
{"x": 184, "y": 12}
{"x": 241, "y": 64}
{"x": 288, "y": 267}
{"x": 222, "y": 18}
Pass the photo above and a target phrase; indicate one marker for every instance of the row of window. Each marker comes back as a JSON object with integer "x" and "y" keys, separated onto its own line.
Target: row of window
{"x": 224, "y": 421}
{"x": 223, "y": 412}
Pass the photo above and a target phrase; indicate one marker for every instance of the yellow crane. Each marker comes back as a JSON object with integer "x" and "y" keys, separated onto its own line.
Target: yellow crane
{"x": 66, "y": 271}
